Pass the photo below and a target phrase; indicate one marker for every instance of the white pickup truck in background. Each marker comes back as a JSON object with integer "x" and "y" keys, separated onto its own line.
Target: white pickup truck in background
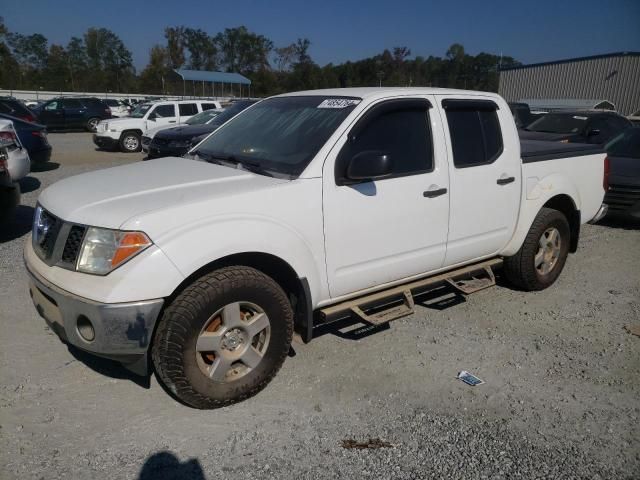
{"x": 305, "y": 208}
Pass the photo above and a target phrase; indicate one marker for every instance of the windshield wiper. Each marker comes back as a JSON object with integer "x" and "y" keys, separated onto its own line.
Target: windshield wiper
{"x": 248, "y": 165}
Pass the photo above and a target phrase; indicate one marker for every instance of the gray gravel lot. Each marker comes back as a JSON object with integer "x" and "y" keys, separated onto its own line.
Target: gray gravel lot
{"x": 561, "y": 398}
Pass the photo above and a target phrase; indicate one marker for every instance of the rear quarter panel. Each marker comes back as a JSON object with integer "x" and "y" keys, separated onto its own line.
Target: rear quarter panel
{"x": 578, "y": 177}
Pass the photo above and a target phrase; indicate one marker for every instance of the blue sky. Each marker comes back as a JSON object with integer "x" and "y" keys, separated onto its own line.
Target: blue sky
{"x": 531, "y": 31}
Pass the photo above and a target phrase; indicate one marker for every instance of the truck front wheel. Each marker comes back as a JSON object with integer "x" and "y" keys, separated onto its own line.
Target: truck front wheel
{"x": 223, "y": 338}
{"x": 543, "y": 254}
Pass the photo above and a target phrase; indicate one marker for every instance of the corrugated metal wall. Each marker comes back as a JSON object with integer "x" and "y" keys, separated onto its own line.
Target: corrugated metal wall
{"x": 615, "y": 78}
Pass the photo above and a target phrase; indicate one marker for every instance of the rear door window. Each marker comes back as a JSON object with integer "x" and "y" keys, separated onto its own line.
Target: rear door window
{"x": 164, "y": 111}
{"x": 187, "y": 109}
{"x": 208, "y": 106}
{"x": 475, "y": 132}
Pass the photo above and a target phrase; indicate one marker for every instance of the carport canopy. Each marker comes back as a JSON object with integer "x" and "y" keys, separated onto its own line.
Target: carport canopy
{"x": 221, "y": 78}
{"x": 213, "y": 77}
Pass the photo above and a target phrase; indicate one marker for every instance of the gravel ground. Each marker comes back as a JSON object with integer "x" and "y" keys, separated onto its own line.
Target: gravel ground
{"x": 561, "y": 398}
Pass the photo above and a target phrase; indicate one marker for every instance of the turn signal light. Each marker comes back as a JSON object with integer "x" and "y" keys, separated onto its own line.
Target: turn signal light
{"x": 130, "y": 244}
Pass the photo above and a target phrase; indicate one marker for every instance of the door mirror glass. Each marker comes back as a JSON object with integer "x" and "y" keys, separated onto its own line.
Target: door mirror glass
{"x": 370, "y": 165}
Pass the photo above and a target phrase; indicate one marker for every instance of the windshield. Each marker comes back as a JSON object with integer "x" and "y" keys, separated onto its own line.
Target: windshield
{"x": 203, "y": 117}
{"x": 279, "y": 134}
{"x": 140, "y": 110}
{"x": 232, "y": 111}
{"x": 559, "y": 123}
{"x": 626, "y": 144}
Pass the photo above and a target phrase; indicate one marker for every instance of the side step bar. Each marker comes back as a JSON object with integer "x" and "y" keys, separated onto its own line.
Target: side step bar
{"x": 398, "y": 302}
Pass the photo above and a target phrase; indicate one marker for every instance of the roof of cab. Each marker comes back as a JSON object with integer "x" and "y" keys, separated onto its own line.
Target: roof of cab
{"x": 377, "y": 92}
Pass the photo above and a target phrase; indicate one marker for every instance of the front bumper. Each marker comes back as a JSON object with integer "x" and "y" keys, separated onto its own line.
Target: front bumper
{"x": 160, "y": 151}
{"x": 105, "y": 142}
{"x": 121, "y": 331}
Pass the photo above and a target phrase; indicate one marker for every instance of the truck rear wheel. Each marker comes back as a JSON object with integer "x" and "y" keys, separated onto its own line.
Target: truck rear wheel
{"x": 223, "y": 338}
{"x": 543, "y": 254}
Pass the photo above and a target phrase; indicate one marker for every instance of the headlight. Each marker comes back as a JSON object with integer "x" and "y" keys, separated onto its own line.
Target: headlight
{"x": 104, "y": 250}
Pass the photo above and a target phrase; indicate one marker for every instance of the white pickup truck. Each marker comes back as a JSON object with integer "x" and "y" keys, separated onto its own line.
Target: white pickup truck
{"x": 306, "y": 208}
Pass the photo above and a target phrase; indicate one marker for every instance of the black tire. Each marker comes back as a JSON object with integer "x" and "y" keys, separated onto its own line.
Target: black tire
{"x": 176, "y": 360}
{"x": 130, "y": 142}
{"x": 520, "y": 269}
{"x": 92, "y": 124}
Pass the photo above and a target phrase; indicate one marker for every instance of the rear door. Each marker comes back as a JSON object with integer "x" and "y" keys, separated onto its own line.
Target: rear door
{"x": 186, "y": 111}
{"x": 389, "y": 229}
{"x": 485, "y": 176}
{"x": 74, "y": 112}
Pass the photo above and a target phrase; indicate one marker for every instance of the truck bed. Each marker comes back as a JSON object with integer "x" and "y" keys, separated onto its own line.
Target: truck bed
{"x": 538, "y": 151}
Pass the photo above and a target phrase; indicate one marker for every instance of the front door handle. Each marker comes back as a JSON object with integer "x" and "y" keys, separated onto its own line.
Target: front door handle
{"x": 436, "y": 192}
{"x": 506, "y": 180}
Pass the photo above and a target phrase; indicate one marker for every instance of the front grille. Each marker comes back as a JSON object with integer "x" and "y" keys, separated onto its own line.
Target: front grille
{"x": 73, "y": 244}
{"x": 621, "y": 197}
{"x": 47, "y": 232}
{"x": 55, "y": 241}
{"x": 159, "y": 141}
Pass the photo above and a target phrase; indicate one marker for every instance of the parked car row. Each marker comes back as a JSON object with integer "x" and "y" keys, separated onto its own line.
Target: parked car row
{"x": 15, "y": 164}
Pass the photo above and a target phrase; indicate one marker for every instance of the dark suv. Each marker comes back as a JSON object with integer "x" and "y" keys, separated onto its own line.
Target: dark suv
{"x": 73, "y": 112}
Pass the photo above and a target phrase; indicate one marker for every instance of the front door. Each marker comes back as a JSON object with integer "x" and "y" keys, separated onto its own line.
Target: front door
{"x": 388, "y": 229}
{"x": 162, "y": 115}
{"x": 485, "y": 176}
{"x": 52, "y": 114}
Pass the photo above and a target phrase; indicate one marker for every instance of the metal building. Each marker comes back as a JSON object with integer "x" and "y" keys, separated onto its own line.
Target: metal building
{"x": 614, "y": 77}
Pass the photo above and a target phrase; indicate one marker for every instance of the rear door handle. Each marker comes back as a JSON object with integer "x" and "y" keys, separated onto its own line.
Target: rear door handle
{"x": 506, "y": 180}
{"x": 172, "y": 121}
{"x": 436, "y": 192}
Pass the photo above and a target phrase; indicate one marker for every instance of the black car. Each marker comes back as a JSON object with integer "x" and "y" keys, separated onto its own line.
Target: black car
{"x": 596, "y": 127}
{"x": 15, "y": 108}
{"x": 176, "y": 141}
{"x": 33, "y": 137}
{"x": 73, "y": 112}
{"x": 623, "y": 195}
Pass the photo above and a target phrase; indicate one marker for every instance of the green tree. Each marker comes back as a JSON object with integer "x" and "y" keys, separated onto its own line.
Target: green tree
{"x": 8, "y": 64}
{"x": 109, "y": 60}
{"x": 202, "y": 49}
{"x": 243, "y": 51}
{"x": 155, "y": 75}
{"x": 175, "y": 46}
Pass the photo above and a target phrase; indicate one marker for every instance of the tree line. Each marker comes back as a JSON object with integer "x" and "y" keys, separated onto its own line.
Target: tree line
{"x": 99, "y": 61}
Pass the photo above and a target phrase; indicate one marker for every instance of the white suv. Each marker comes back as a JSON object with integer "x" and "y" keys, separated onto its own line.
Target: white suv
{"x": 126, "y": 133}
{"x": 118, "y": 109}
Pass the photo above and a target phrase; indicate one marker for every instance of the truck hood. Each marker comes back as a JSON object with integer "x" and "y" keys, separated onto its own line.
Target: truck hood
{"x": 186, "y": 132}
{"x": 124, "y": 123}
{"x": 108, "y": 198}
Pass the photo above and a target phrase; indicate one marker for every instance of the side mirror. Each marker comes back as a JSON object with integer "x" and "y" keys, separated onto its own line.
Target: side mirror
{"x": 593, "y": 132}
{"x": 152, "y": 117}
{"x": 370, "y": 165}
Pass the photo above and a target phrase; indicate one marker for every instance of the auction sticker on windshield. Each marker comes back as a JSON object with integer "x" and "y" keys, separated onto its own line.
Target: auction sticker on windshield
{"x": 338, "y": 103}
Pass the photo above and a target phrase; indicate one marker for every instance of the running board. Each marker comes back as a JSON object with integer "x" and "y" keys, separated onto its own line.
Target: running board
{"x": 397, "y": 302}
